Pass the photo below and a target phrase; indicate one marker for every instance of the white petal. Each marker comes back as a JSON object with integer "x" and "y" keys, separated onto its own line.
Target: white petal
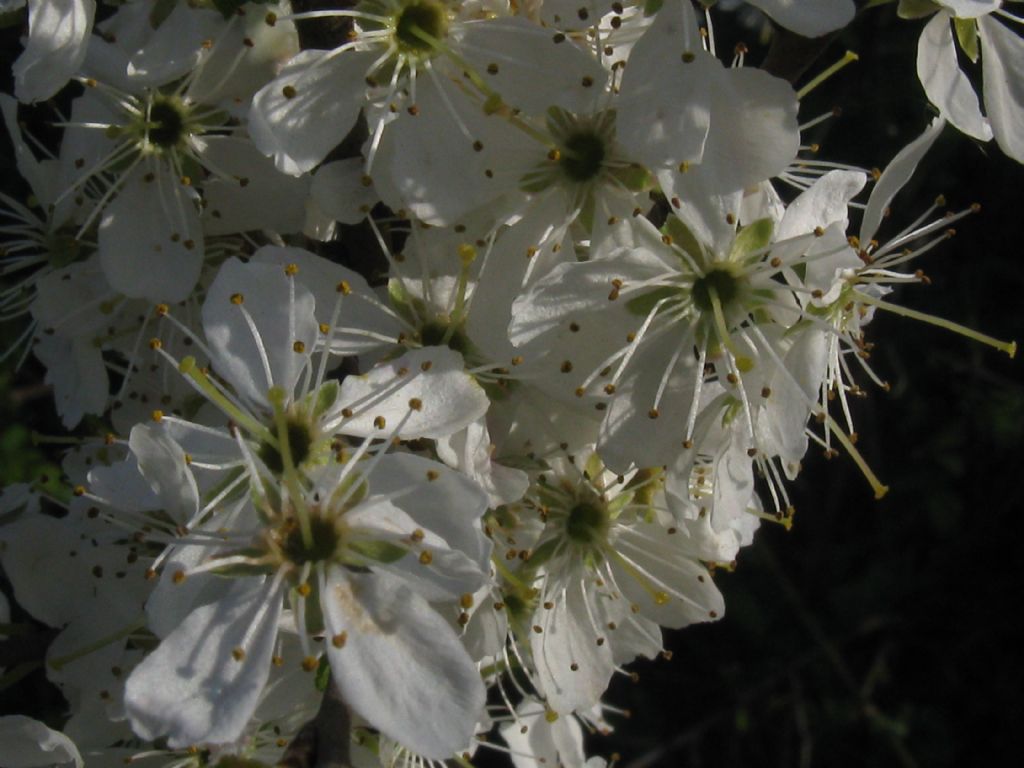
{"x": 58, "y": 34}
{"x": 28, "y": 743}
{"x": 150, "y": 239}
{"x": 1002, "y": 62}
{"x": 262, "y": 199}
{"x": 545, "y": 69}
{"x": 303, "y": 114}
{"x": 75, "y": 369}
{"x": 896, "y": 174}
{"x": 969, "y": 9}
{"x": 362, "y": 323}
{"x": 665, "y": 103}
{"x": 566, "y": 640}
{"x": 426, "y": 390}
{"x": 162, "y": 463}
{"x": 203, "y": 682}
{"x": 339, "y": 192}
{"x": 753, "y": 134}
{"x": 811, "y": 18}
{"x": 275, "y": 348}
{"x": 944, "y": 82}
{"x": 401, "y": 667}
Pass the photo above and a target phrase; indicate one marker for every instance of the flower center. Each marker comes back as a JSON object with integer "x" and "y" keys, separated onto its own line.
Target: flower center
{"x": 323, "y": 546}
{"x": 582, "y": 155}
{"x": 418, "y": 20}
{"x": 439, "y": 334}
{"x": 166, "y": 124}
{"x": 720, "y": 282}
{"x": 300, "y": 441}
{"x": 587, "y": 523}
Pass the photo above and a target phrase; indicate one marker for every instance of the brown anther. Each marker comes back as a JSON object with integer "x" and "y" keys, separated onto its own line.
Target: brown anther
{"x": 339, "y": 640}
{"x": 415, "y": 404}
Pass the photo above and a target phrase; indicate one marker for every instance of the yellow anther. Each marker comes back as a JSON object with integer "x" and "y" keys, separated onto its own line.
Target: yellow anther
{"x": 291, "y": 270}
{"x": 238, "y": 654}
{"x": 426, "y": 558}
{"x": 237, "y": 298}
{"x": 157, "y": 416}
{"x": 339, "y": 640}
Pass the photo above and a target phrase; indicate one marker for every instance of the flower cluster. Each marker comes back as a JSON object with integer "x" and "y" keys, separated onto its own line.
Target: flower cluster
{"x": 613, "y": 297}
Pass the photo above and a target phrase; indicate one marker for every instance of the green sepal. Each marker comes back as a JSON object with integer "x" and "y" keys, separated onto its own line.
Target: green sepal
{"x": 326, "y": 396}
{"x": 635, "y": 178}
{"x": 731, "y": 411}
{"x": 967, "y": 36}
{"x": 683, "y": 237}
{"x": 378, "y": 551}
{"x": 161, "y": 10}
{"x": 525, "y": 463}
{"x": 916, "y": 9}
{"x": 753, "y": 237}
{"x": 651, "y": 7}
{"x": 543, "y": 553}
{"x": 619, "y": 503}
{"x": 323, "y": 674}
{"x": 642, "y": 305}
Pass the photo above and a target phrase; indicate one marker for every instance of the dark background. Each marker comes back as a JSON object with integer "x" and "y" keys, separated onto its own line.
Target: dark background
{"x": 874, "y": 633}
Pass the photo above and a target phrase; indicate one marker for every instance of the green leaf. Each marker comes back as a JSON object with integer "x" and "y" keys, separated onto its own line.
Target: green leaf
{"x": 967, "y": 35}
{"x": 751, "y": 238}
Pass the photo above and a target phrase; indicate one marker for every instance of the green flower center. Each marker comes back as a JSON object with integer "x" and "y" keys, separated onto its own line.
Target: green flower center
{"x": 433, "y": 334}
{"x": 324, "y": 545}
{"x": 166, "y": 124}
{"x": 424, "y": 17}
{"x": 720, "y": 282}
{"x": 587, "y": 523}
{"x": 582, "y": 156}
{"x": 300, "y": 441}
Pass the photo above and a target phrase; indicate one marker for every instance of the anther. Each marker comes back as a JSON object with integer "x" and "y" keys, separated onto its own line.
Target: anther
{"x": 339, "y": 640}
{"x": 238, "y": 654}
{"x": 237, "y": 298}
{"x": 289, "y": 92}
